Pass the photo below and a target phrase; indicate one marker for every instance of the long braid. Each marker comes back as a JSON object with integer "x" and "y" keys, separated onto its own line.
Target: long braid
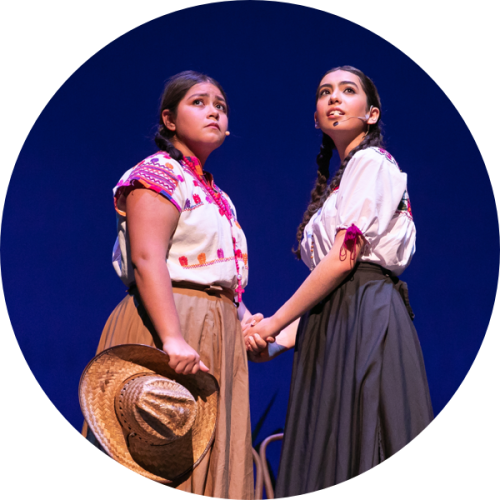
{"x": 323, "y": 161}
{"x": 162, "y": 140}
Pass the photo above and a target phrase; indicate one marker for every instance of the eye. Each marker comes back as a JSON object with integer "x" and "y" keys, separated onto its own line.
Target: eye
{"x": 197, "y": 102}
{"x": 221, "y": 106}
{"x": 349, "y": 90}
{"x": 324, "y": 92}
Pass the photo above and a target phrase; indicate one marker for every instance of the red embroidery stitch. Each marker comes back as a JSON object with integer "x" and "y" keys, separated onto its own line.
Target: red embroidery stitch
{"x": 183, "y": 261}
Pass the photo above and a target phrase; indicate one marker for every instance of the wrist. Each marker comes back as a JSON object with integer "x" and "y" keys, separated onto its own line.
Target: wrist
{"x": 277, "y": 322}
{"x": 172, "y": 337}
{"x": 274, "y": 349}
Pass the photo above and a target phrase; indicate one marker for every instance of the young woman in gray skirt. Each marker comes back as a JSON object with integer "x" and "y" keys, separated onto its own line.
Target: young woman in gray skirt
{"x": 359, "y": 389}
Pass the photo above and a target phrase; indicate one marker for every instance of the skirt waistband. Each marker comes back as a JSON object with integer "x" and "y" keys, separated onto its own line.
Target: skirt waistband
{"x": 380, "y": 272}
{"x": 215, "y": 290}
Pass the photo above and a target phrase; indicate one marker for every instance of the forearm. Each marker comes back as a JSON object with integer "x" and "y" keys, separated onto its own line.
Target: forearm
{"x": 155, "y": 288}
{"x": 328, "y": 275}
{"x": 243, "y": 313}
{"x": 286, "y": 337}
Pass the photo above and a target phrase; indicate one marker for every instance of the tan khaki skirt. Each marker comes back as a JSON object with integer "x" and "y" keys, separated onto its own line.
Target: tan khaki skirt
{"x": 210, "y": 325}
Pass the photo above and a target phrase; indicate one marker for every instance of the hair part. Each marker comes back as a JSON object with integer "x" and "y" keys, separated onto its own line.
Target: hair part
{"x": 175, "y": 89}
{"x": 322, "y": 189}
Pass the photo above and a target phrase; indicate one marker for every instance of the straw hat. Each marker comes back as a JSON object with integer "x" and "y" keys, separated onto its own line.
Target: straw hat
{"x": 147, "y": 417}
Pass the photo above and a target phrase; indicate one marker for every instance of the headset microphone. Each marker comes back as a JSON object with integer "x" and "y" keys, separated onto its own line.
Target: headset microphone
{"x": 362, "y": 118}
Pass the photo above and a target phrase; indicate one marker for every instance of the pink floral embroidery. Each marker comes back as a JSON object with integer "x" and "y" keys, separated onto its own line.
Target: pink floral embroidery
{"x": 196, "y": 199}
{"x": 238, "y": 254}
{"x": 220, "y": 253}
{"x": 387, "y": 155}
{"x": 183, "y": 261}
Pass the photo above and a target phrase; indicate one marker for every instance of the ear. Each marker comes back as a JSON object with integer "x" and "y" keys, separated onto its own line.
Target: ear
{"x": 168, "y": 119}
{"x": 373, "y": 115}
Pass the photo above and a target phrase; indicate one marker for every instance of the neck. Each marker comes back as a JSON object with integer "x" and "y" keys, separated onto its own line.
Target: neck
{"x": 346, "y": 145}
{"x": 186, "y": 151}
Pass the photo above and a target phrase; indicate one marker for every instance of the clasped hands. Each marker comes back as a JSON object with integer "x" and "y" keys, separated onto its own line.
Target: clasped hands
{"x": 258, "y": 332}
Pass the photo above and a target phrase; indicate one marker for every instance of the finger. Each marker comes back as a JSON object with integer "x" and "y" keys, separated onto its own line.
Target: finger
{"x": 258, "y": 317}
{"x": 254, "y": 348}
{"x": 204, "y": 367}
{"x": 261, "y": 343}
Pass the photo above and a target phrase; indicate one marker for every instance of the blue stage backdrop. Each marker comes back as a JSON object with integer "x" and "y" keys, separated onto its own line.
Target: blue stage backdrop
{"x": 59, "y": 223}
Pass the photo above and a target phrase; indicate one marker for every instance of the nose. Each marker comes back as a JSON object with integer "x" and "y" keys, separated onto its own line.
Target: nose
{"x": 334, "y": 97}
{"x": 213, "y": 112}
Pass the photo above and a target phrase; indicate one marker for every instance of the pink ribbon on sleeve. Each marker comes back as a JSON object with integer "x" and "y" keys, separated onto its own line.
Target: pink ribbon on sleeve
{"x": 351, "y": 240}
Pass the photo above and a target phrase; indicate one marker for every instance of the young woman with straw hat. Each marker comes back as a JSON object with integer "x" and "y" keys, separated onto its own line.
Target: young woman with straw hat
{"x": 183, "y": 256}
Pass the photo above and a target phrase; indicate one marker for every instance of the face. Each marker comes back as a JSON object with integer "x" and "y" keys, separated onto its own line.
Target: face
{"x": 200, "y": 122}
{"x": 342, "y": 105}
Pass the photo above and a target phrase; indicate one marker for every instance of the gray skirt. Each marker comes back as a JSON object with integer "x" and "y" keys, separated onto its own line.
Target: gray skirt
{"x": 359, "y": 389}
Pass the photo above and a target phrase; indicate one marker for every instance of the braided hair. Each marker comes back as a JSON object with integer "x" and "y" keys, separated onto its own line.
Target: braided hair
{"x": 175, "y": 89}
{"x": 373, "y": 137}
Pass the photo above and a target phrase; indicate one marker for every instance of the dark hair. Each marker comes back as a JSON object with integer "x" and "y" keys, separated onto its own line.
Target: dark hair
{"x": 322, "y": 188}
{"x": 175, "y": 89}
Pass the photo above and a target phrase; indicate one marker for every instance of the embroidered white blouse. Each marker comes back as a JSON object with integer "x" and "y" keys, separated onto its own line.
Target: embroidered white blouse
{"x": 201, "y": 249}
{"x": 373, "y": 196}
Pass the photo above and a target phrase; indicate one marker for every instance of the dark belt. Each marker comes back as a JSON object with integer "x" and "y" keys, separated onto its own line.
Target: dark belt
{"x": 217, "y": 291}
{"x": 399, "y": 285}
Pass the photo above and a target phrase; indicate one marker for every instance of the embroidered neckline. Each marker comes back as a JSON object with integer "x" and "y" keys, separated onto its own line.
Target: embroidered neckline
{"x": 196, "y": 169}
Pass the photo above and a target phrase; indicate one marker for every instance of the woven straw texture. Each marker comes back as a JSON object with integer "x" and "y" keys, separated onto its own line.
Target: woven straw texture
{"x": 100, "y": 386}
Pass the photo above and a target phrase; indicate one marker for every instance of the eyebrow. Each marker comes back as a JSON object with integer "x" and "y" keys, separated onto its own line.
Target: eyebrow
{"x": 218, "y": 97}
{"x": 344, "y": 82}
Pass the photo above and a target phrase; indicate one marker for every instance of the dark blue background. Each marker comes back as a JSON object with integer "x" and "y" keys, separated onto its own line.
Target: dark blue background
{"x": 59, "y": 224}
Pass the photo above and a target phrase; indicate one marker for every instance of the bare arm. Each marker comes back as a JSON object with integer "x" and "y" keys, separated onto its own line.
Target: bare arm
{"x": 151, "y": 221}
{"x": 327, "y": 276}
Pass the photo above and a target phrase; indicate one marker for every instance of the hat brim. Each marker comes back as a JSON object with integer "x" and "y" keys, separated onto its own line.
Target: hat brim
{"x": 99, "y": 384}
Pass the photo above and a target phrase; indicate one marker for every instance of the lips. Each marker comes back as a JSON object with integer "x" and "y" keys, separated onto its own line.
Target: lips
{"x": 335, "y": 112}
{"x": 214, "y": 125}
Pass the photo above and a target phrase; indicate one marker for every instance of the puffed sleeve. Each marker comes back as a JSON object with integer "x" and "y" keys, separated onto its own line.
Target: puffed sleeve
{"x": 161, "y": 174}
{"x": 369, "y": 194}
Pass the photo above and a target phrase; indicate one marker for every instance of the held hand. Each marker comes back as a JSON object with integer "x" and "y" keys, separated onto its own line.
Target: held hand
{"x": 266, "y": 329}
{"x": 251, "y": 321}
{"x": 183, "y": 358}
{"x": 256, "y": 348}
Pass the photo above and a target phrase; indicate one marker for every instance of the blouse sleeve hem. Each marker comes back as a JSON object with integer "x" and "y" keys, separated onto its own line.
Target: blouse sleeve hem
{"x": 351, "y": 239}
{"x": 125, "y": 187}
